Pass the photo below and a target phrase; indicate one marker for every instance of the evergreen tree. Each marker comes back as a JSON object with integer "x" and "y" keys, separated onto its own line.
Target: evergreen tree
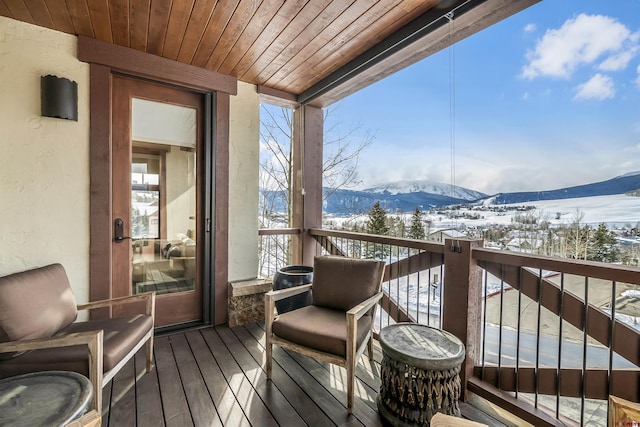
{"x": 416, "y": 230}
{"x": 377, "y": 223}
{"x": 603, "y": 244}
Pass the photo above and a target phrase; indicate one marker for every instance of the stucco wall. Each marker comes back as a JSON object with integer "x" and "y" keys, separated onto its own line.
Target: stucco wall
{"x": 244, "y": 152}
{"x": 44, "y": 162}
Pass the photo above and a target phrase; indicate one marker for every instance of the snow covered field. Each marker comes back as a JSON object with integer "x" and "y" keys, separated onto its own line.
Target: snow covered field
{"x": 615, "y": 211}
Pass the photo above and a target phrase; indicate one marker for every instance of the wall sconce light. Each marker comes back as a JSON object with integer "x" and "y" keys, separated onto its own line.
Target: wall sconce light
{"x": 59, "y": 98}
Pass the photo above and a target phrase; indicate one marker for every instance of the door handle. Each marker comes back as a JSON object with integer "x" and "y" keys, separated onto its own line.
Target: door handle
{"x": 118, "y": 230}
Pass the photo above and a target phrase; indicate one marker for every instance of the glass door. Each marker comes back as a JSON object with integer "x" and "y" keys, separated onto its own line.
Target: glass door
{"x": 158, "y": 196}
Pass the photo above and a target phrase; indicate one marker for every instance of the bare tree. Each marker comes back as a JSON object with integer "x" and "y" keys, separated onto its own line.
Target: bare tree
{"x": 341, "y": 149}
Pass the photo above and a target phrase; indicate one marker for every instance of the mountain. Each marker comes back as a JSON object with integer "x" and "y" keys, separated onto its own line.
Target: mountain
{"x": 406, "y": 196}
{"x": 422, "y": 186}
{"x": 628, "y": 182}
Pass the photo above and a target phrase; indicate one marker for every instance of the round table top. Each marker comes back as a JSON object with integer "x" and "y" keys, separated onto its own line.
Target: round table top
{"x": 422, "y": 346}
{"x": 48, "y": 398}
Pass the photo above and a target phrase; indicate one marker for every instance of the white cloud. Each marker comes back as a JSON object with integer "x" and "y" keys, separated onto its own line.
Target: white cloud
{"x": 599, "y": 87}
{"x": 581, "y": 40}
{"x": 525, "y": 96}
{"x": 529, "y": 28}
{"x": 619, "y": 61}
{"x": 638, "y": 79}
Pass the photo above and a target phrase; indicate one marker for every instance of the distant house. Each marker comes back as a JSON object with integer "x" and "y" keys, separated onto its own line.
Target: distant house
{"x": 523, "y": 245}
{"x": 441, "y": 235}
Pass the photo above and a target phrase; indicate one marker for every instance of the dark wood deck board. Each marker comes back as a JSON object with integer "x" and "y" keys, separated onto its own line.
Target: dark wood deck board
{"x": 250, "y": 402}
{"x": 201, "y": 406}
{"x": 148, "y": 402}
{"x": 216, "y": 376}
{"x": 280, "y": 408}
{"x": 174, "y": 401}
{"x": 312, "y": 414}
{"x": 228, "y": 408}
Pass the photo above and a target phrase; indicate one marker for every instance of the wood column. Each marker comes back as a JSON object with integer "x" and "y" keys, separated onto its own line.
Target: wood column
{"x": 307, "y": 179}
{"x": 462, "y": 301}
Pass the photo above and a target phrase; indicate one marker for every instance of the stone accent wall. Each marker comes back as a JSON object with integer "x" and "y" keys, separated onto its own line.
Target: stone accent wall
{"x": 246, "y": 301}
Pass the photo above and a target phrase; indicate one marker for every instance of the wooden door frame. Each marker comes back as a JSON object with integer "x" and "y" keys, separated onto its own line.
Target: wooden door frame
{"x": 106, "y": 59}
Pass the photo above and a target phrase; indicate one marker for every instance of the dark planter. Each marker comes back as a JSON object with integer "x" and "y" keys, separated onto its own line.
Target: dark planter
{"x": 288, "y": 277}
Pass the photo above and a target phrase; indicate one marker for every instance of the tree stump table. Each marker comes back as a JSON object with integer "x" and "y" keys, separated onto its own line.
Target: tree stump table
{"x": 419, "y": 374}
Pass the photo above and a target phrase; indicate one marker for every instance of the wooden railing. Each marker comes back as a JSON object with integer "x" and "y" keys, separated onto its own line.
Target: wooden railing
{"x": 547, "y": 339}
{"x": 275, "y": 249}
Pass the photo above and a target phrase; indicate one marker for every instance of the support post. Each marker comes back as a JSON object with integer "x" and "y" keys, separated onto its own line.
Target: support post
{"x": 462, "y": 301}
{"x": 307, "y": 180}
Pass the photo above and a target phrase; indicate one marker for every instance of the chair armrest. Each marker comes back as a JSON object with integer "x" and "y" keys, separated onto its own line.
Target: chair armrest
{"x": 359, "y": 310}
{"x": 77, "y": 338}
{"x": 93, "y": 339}
{"x": 286, "y": 293}
{"x": 148, "y": 297}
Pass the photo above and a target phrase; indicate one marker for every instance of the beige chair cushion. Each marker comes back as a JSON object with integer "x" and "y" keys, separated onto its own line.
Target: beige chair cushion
{"x": 442, "y": 420}
{"x": 35, "y": 303}
{"x": 319, "y": 328}
{"x": 121, "y": 334}
{"x": 342, "y": 283}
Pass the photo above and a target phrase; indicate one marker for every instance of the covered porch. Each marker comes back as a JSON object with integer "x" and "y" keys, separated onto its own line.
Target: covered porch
{"x": 57, "y": 206}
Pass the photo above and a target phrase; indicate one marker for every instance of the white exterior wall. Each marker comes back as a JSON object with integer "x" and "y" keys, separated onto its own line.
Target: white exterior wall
{"x": 244, "y": 157}
{"x": 44, "y": 162}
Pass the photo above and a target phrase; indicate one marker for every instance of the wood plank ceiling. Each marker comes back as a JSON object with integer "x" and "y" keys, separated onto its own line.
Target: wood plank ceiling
{"x": 288, "y": 45}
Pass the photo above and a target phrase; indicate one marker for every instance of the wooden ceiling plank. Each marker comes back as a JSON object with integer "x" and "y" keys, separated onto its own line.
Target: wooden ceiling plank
{"x": 158, "y": 23}
{"x": 60, "y": 16}
{"x": 263, "y": 16}
{"x": 221, "y": 16}
{"x": 309, "y": 51}
{"x": 101, "y": 19}
{"x": 178, "y": 21}
{"x": 241, "y": 18}
{"x": 294, "y": 30}
{"x": 200, "y": 17}
{"x": 379, "y": 23}
{"x": 40, "y": 13}
{"x": 19, "y": 11}
{"x": 4, "y": 10}
{"x": 300, "y": 49}
{"x": 80, "y": 18}
{"x": 282, "y": 23}
{"x": 139, "y": 23}
{"x": 119, "y": 12}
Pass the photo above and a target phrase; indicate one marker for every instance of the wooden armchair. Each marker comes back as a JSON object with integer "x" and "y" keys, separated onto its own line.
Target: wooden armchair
{"x": 38, "y": 331}
{"x": 338, "y": 325}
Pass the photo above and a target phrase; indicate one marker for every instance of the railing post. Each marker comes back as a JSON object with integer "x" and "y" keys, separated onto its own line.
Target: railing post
{"x": 462, "y": 301}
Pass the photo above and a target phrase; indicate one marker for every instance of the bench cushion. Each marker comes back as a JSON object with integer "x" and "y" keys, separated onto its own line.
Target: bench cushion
{"x": 35, "y": 303}
{"x": 320, "y": 328}
{"x": 121, "y": 334}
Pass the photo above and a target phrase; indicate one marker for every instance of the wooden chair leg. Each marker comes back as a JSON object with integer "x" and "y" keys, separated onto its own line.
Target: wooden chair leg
{"x": 370, "y": 348}
{"x": 149, "y": 349}
{"x": 350, "y": 386}
{"x": 269, "y": 355}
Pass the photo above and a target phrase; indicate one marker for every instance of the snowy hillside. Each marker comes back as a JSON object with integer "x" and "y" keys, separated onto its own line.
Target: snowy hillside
{"x": 403, "y": 187}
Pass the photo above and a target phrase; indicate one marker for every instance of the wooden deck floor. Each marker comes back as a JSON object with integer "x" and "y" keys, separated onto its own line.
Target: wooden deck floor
{"x": 216, "y": 377}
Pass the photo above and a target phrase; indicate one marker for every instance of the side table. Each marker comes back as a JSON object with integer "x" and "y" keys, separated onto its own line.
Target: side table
{"x": 48, "y": 398}
{"x": 419, "y": 374}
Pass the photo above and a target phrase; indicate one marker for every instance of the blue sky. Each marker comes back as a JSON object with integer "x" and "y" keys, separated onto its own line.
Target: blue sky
{"x": 548, "y": 98}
